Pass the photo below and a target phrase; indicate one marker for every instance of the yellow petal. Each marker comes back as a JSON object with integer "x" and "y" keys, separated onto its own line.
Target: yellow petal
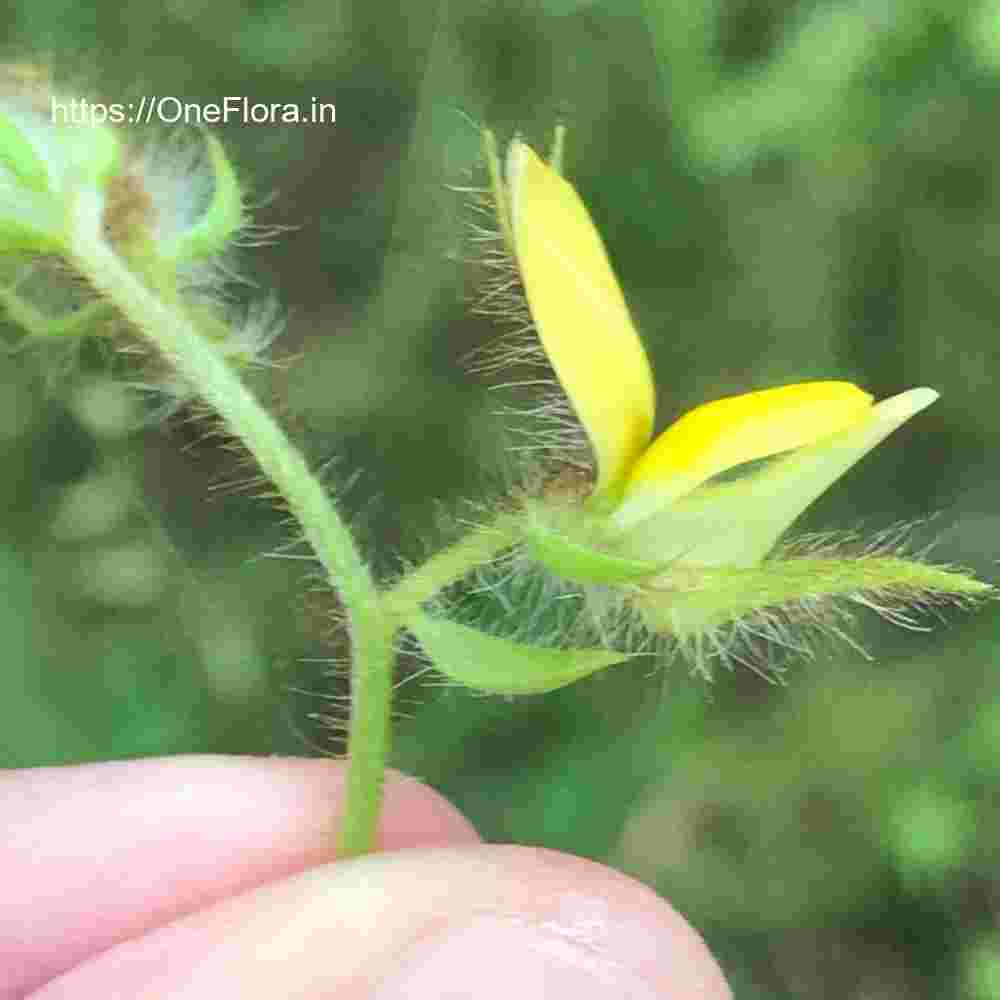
{"x": 738, "y": 523}
{"x": 727, "y": 432}
{"x": 580, "y": 313}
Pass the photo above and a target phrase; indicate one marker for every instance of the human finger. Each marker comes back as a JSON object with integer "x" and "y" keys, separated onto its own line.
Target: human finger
{"x": 479, "y": 921}
{"x": 93, "y": 854}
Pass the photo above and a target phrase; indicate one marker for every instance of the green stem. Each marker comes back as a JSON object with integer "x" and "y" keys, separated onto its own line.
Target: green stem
{"x": 372, "y": 629}
{"x": 450, "y": 564}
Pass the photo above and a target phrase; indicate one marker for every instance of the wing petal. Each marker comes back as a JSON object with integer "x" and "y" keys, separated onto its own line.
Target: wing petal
{"x": 735, "y": 429}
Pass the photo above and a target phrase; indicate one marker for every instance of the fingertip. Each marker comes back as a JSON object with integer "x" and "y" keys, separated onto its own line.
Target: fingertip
{"x": 140, "y": 843}
{"x": 416, "y": 815}
{"x": 477, "y": 920}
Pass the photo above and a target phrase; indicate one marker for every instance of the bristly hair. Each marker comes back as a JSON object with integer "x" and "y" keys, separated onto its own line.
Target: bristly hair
{"x": 516, "y": 598}
{"x": 768, "y": 639}
{"x": 542, "y": 424}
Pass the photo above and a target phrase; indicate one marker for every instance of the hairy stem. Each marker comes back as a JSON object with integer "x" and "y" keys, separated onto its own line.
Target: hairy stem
{"x": 450, "y": 564}
{"x": 372, "y": 628}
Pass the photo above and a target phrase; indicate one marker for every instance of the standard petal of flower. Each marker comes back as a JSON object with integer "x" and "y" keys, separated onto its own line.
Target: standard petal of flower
{"x": 737, "y": 524}
{"x": 581, "y": 314}
{"x": 736, "y": 429}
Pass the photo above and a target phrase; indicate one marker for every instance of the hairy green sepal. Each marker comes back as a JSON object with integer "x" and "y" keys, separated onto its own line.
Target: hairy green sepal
{"x": 570, "y": 547}
{"x": 691, "y": 600}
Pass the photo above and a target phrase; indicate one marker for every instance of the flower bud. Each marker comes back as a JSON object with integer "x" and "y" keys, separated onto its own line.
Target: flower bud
{"x": 45, "y": 157}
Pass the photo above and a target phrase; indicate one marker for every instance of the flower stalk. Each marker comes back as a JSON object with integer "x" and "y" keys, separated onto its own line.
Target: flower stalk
{"x": 480, "y": 545}
{"x": 202, "y": 366}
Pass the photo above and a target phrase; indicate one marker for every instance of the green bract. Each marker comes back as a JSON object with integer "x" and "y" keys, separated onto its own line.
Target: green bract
{"x": 223, "y": 217}
{"x": 503, "y": 666}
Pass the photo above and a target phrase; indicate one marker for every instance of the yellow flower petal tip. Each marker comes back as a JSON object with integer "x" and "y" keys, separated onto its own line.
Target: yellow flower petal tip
{"x": 580, "y": 313}
{"x": 727, "y": 432}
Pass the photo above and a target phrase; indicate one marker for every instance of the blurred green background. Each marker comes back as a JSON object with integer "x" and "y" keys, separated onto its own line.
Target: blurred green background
{"x": 789, "y": 190}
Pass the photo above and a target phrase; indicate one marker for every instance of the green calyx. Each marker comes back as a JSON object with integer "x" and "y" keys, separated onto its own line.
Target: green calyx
{"x": 570, "y": 543}
{"x": 690, "y": 600}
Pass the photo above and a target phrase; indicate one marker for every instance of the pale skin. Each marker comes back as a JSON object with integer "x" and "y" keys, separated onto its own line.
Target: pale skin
{"x": 206, "y": 877}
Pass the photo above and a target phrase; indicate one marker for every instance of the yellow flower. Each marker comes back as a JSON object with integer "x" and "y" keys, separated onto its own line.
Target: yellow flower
{"x": 656, "y": 492}
{"x": 662, "y": 550}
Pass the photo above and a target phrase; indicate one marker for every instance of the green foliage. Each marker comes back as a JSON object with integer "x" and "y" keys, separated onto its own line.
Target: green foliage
{"x": 496, "y": 665}
{"x": 771, "y": 222}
